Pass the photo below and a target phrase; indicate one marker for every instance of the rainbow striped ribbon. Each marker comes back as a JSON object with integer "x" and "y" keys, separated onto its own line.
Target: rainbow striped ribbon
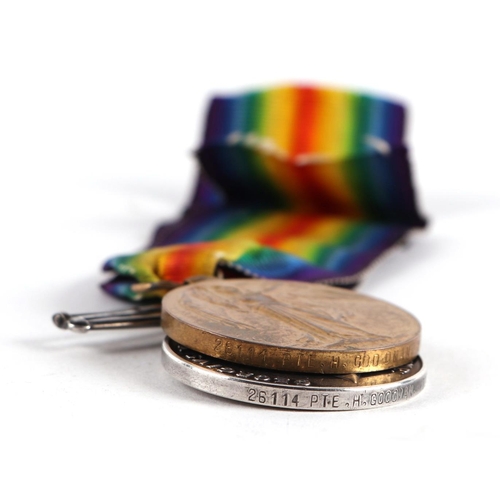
{"x": 294, "y": 182}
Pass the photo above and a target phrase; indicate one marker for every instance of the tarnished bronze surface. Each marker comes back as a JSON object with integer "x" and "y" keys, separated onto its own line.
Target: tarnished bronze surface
{"x": 290, "y": 326}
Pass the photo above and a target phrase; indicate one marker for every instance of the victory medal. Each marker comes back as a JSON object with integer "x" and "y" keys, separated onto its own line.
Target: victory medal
{"x": 290, "y": 326}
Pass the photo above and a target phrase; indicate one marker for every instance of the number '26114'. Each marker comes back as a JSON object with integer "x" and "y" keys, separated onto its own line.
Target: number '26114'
{"x": 273, "y": 398}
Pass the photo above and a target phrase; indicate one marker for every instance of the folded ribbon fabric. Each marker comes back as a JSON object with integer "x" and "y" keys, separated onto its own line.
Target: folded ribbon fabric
{"x": 297, "y": 183}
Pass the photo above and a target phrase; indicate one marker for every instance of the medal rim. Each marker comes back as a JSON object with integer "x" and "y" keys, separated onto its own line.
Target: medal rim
{"x": 231, "y": 387}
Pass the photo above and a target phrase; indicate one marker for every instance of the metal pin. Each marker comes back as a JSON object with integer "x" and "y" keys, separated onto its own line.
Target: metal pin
{"x": 133, "y": 317}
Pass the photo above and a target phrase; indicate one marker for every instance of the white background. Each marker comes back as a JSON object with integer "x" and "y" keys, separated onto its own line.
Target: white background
{"x": 101, "y": 105}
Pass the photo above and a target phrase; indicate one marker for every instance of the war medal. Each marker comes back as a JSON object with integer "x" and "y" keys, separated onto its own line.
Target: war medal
{"x": 293, "y": 390}
{"x": 290, "y": 326}
{"x": 291, "y": 344}
{"x": 300, "y": 190}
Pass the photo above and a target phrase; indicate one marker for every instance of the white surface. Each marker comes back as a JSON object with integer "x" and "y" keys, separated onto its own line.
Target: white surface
{"x": 101, "y": 103}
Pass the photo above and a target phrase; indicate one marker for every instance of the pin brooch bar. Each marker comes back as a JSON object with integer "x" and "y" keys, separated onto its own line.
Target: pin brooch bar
{"x": 133, "y": 317}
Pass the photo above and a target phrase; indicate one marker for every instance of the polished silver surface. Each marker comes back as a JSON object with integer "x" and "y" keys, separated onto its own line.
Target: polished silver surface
{"x": 294, "y": 391}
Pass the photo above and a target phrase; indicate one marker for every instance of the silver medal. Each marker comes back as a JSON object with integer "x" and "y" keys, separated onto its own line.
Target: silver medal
{"x": 293, "y": 391}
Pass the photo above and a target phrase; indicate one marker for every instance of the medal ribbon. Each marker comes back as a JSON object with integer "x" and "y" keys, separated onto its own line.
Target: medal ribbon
{"x": 299, "y": 183}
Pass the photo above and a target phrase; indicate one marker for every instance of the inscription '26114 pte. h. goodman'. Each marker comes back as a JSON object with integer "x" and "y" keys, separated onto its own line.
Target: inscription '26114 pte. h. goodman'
{"x": 290, "y": 326}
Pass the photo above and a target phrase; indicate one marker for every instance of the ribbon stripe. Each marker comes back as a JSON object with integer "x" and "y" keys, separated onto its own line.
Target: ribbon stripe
{"x": 298, "y": 183}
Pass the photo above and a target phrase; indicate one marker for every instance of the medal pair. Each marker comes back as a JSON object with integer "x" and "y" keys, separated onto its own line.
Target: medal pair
{"x": 299, "y": 191}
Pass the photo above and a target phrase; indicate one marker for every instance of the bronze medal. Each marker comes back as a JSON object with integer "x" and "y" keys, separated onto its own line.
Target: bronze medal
{"x": 290, "y": 326}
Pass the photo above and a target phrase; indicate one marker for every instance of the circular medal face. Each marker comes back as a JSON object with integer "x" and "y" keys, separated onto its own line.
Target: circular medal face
{"x": 290, "y": 326}
{"x": 293, "y": 391}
